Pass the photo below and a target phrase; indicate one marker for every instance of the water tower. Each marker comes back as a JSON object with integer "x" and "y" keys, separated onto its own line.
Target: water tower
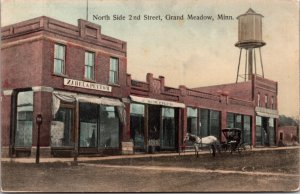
{"x": 250, "y": 40}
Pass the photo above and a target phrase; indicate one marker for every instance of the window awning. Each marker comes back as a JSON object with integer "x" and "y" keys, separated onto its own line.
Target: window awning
{"x": 106, "y": 101}
{"x": 102, "y": 100}
{"x": 72, "y": 97}
{"x": 156, "y": 102}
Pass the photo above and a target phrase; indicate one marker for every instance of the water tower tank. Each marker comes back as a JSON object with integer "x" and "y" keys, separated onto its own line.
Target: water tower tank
{"x": 250, "y": 30}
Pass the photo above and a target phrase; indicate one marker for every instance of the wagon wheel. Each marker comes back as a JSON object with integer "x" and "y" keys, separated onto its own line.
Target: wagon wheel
{"x": 232, "y": 147}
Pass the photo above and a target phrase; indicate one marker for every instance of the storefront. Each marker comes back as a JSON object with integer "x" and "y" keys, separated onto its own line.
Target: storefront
{"x": 203, "y": 122}
{"x": 24, "y": 122}
{"x": 154, "y": 124}
{"x": 265, "y": 126}
{"x": 243, "y": 122}
{"x": 99, "y": 123}
{"x": 265, "y": 131}
{"x": 79, "y": 98}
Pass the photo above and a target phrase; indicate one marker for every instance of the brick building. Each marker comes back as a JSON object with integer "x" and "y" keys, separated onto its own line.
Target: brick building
{"x": 76, "y": 78}
{"x": 287, "y": 135}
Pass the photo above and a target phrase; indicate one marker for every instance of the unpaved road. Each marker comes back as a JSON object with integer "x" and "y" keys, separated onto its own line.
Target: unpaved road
{"x": 276, "y": 170}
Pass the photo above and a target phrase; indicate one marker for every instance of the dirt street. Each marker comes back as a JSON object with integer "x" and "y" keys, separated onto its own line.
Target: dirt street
{"x": 276, "y": 170}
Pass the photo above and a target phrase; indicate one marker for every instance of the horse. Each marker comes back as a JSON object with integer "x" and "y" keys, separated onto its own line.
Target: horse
{"x": 212, "y": 141}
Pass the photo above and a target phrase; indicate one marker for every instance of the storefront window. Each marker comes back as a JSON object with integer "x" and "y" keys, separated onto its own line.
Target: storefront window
{"x": 238, "y": 121}
{"x": 137, "y": 112}
{"x": 192, "y": 120}
{"x": 168, "y": 130}
{"x": 215, "y": 123}
{"x": 109, "y": 127}
{"x": 230, "y": 120}
{"x": 271, "y": 131}
{"x": 23, "y": 137}
{"x": 204, "y": 120}
{"x": 259, "y": 131}
{"x": 62, "y": 128}
{"x": 88, "y": 124}
{"x": 247, "y": 130}
{"x": 99, "y": 126}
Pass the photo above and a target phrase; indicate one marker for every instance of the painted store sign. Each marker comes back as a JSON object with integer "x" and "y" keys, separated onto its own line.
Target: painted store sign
{"x": 87, "y": 85}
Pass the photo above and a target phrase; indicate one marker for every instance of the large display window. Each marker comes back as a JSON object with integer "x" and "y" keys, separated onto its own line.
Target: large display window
{"x": 109, "y": 127}
{"x": 215, "y": 123}
{"x": 242, "y": 122}
{"x": 99, "y": 126}
{"x": 272, "y": 131}
{"x": 192, "y": 117}
{"x": 62, "y": 128}
{"x": 23, "y": 135}
{"x": 259, "y": 132}
{"x": 168, "y": 131}
{"x": 204, "y": 122}
{"x": 137, "y": 113}
{"x": 88, "y": 114}
{"x": 247, "y": 130}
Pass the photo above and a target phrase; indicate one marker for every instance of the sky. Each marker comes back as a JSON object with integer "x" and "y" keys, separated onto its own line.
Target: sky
{"x": 188, "y": 52}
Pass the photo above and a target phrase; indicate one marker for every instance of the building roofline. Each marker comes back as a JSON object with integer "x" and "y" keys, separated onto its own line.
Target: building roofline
{"x": 84, "y": 31}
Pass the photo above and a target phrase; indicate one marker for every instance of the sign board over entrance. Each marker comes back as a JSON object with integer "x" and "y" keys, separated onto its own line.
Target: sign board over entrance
{"x": 86, "y": 85}
{"x": 156, "y": 102}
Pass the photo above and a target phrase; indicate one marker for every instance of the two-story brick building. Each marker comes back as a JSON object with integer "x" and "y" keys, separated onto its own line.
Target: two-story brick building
{"x": 76, "y": 78}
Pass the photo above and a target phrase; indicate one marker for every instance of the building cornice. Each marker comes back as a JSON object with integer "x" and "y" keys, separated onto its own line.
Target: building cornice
{"x": 46, "y": 37}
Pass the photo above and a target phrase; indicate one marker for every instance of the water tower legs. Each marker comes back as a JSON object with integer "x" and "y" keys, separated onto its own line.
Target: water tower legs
{"x": 250, "y": 64}
{"x": 250, "y": 67}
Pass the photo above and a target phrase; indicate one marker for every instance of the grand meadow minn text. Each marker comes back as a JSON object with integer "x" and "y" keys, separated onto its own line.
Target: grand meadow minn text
{"x": 145, "y": 17}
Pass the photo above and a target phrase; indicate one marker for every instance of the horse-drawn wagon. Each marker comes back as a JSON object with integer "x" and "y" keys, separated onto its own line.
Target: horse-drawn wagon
{"x": 233, "y": 140}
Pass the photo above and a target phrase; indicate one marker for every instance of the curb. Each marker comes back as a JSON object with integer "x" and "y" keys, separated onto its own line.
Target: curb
{"x": 83, "y": 159}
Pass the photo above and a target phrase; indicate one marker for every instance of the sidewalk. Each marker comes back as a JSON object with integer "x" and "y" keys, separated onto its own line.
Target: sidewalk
{"x": 99, "y": 158}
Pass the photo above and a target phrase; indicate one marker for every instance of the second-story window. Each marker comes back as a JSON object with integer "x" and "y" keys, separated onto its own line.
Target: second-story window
{"x": 272, "y": 103}
{"x": 266, "y": 101}
{"x": 114, "y": 71}
{"x": 59, "y": 59}
{"x": 258, "y": 99}
{"x": 89, "y": 65}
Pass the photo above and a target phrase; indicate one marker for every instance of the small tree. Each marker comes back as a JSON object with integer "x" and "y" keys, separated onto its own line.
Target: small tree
{"x": 288, "y": 121}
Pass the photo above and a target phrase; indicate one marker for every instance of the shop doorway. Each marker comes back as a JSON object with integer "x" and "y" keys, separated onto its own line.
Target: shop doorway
{"x": 265, "y": 131}
{"x": 154, "y": 127}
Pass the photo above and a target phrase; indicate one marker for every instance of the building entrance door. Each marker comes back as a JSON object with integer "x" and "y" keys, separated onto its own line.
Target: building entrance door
{"x": 266, "y": 131}
{"x": 154, "y": 126}
{"x": 168, "y": 130}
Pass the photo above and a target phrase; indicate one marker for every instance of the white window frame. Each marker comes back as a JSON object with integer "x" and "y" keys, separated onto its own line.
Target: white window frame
{"x": 89, "y": 65}
{"x": 62, "y": 59}
{"x": 114, "y": 71}
{"x": 258, "y": 99}
{"x": 266, "y": 101}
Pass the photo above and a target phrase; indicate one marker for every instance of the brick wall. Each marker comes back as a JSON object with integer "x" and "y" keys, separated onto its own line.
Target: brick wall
{"x": 265, "y": 87}
{"x": 28, "y": 48}
{"x": 241, "y": 90}
{"x": 289, "y": 134}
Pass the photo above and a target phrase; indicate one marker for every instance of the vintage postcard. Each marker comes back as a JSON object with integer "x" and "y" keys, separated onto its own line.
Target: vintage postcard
{"x": 150, "y": 96}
